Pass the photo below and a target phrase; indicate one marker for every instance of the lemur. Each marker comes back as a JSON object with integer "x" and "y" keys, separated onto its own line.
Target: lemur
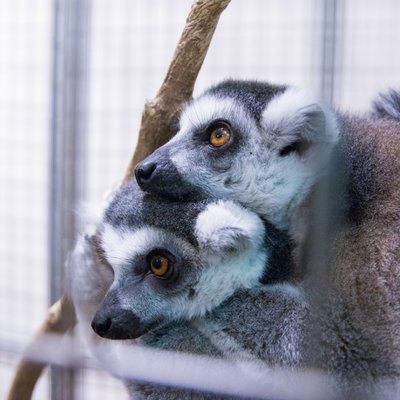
{"x": 387, "y": 105}
{"x": 188, "y": 276}
{"x": 269, "y": 147}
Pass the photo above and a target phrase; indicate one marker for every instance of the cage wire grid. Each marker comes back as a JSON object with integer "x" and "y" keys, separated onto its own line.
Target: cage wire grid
{"x": 346, "y": 49}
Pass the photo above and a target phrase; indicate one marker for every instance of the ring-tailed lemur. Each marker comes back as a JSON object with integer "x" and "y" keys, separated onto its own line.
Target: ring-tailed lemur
{"x": 259, "y": 144}
{"x": 152, "y": 262}
{"x": 268, "y": 147}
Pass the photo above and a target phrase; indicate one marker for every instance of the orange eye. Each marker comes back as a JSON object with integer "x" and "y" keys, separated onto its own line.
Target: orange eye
{"x": 220, "y": 136}
{"x": 160, "y": 265}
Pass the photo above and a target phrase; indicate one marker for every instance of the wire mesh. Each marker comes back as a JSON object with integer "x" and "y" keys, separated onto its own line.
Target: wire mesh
{"x": 131, "y": 43}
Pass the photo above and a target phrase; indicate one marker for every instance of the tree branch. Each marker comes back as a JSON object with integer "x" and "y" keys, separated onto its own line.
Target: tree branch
{"x": 156, "y": 129}
{"x": 60, "y": 318}
{"x": 160, "y": 114}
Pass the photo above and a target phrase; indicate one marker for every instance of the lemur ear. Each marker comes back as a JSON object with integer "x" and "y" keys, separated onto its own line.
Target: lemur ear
{"x": 299, "y": 121}
{"x": 224, "y": 227}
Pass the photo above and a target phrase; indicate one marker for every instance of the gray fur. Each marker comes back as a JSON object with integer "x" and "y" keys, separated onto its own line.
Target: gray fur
{"x": 269, "y": 164}
{"x": 269, "y": 326}
{"x": 355, "y": 271}
{"x": 360, "y": 302}
{"x": 244, "y": 252}
{"x": 131, "y": 208}
{"x": 387, "y": 104}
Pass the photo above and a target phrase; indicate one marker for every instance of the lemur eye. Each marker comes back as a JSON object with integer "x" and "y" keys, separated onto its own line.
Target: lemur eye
{"x": 220, "y": 135}
{"x": 160, "y": 266}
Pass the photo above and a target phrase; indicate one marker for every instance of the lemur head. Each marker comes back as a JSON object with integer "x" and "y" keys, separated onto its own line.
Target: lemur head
{"x": 174, "y": 261}
{"x": 259, "y": 144}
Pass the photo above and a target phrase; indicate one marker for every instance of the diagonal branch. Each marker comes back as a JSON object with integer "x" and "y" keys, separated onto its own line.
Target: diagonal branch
{"x": 156, "y": 129}
{"x": 160, "y": 114}
{"x": 60, "y": 318}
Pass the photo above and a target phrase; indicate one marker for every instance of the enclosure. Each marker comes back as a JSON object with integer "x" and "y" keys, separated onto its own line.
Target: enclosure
{"x": 74, "y": 75}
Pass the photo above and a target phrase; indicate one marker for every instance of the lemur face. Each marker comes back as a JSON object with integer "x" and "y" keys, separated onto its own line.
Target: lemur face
{"x": 174, "y": 261}
{"x": 256, "y": 143}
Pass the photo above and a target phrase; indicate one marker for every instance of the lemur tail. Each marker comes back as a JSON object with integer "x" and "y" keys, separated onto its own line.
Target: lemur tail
{"x": 387, "y": 104}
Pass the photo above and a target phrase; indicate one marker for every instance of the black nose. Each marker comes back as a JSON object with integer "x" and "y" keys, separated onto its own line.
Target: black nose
{"x": 144, "y": 171}
{"x": 120, "y": 324}
{"x": 101, "y": 325}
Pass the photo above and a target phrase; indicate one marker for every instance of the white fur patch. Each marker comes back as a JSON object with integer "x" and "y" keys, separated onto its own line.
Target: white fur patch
{"x": 290, "y": 103}
{"x": 88, "y": 279}
{"x": 206, "y": 109}
{"x": 91, "y": 215}
{"x": 225, "y": 225}
{"x": 286, "y": 104}
{"x": 221, "y": 227}
{"x": 181, "y": 160}
{"x": 223, "y": 278}
{"x": 120, "y": 246}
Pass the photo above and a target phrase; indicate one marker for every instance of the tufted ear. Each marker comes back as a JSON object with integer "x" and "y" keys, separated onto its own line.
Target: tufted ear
{"x": 299, "y": 122}
{"x": 224, "y": 227}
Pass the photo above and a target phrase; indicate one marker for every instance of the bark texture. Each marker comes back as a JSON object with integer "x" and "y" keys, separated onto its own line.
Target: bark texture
{"x": 156, "y": 129}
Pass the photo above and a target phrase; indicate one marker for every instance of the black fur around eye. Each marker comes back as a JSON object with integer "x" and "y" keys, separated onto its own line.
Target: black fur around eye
{"x": 299, "y": 147}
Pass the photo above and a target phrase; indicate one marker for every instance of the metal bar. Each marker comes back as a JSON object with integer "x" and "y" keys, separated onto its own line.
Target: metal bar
{"x": 244, "y": 379}
{"x": 327, "y": 216}
{"x": 328, "y": 50}
{"x": 68, "y": 145}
